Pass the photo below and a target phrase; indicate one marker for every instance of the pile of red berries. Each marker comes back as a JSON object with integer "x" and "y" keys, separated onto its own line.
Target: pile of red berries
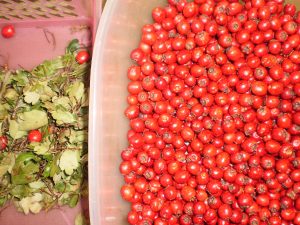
{"x": 214, "y": 110}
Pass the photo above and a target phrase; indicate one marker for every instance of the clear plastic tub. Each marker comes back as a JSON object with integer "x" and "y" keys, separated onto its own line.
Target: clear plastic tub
{"x": 117, "y": 35}
{"x": 43, "y": 30}
{"x": 119, "y": 32}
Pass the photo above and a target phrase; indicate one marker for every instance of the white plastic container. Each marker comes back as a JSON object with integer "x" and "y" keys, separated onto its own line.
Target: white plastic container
{"x": 118, "y": 33}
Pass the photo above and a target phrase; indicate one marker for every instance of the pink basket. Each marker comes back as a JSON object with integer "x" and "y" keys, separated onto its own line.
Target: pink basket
{"x": 43, "y": 30}
{"x": 44, "y": 27}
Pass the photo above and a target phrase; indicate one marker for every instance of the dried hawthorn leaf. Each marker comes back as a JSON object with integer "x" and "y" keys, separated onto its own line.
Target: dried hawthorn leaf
{"x": 20, "y": 191}
{"x": 48, "y": 68}
{"x": 14, "y": 130}
{"x": 21, "y": 78}
{"x": 62, "y": 101}
{"x": 31, "y": 97}
{"x": 32, "y": 120}
{"x": 69, "y": 161}
{"x": 76, "y": 137}
{"x": 52, "y": 98}
{"x": 11, "y": 94}
{"x": 7, "y": 163}
{"x": 63, "y": 117}
{"x": 73, "y": 201}
{"x": 80, "y": 220}
{"x": 36, "y": 184}
{"x": 76, "y": 92}
{"x": 3, "y": 111}
{"x": 31, "y": 204}
{"x": 41, "y": 148}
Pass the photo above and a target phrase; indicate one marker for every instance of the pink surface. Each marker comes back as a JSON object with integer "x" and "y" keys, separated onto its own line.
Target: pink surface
{"x": 59, "y": 216}
{"x": 44, "y": 34}
{"x": 45, "y": 10}
{"x": 36, "y": 40}
{"x": 32, "y": 45}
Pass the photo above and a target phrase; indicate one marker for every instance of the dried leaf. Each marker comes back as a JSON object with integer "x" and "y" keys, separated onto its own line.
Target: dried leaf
{"x": 14, "y": 130}
{"x": 32, "y": 120}
{"x": 63, "y": 117}
{"x": 69, "y": 161}
{"x": 31, "y": 97}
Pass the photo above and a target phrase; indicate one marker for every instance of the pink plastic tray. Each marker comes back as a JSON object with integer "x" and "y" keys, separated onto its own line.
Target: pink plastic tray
{"x": 43, "y": 30}
{"x": 44, "y": 27}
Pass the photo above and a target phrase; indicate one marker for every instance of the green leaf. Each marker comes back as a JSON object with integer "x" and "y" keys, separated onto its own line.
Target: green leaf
{"x": 48, "y": 68}
{"x": 48, "y": 157}
{"x": 25, "y": 168}
{"x": 7, "y": 163}
{"x": 80, "y": 219}
{"x": 76, "y": 92}
{"x": 23, "y": 179}
{"x": 3, "y": 200}
{"x": 41, "y": 148}
{"x": 73, "y": 46}
{"x": 14, "y": 130}
{"x": 20, "y": 191}
{"x": 53, "y": 98}
{"x": 31, "y": 97}
{"x": 47, "y": 169}
{"x": 36, "y": 184}
{"x": 54, "y": 166}
{"x": 63, "y": 117}
{"x": 32, "y": 120}
{"x": 69, "y": 161}
{"x": 73, "y": 201}
{"x": 11, "y": 94}
{"x": 31, "y": 204}
{"x": 26, "y": 157}
{"x": 60, "y": 187}
{"x": 21, "y": 78}
{"x": 46, "y": 93}
{"x": 30, "y": 168}
{"x": 78, "y": 136}
{"x": 3, "y": 111}
{"x": 39, "y": 89}
{"x": 64, "y": 102}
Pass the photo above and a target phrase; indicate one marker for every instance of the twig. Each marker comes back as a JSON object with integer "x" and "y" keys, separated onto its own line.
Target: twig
{"x": 4, "y": 83}
{"x": 47, "y": 33}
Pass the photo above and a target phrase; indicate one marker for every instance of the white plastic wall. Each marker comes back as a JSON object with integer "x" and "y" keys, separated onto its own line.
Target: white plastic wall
{"x": 118, "y": 33}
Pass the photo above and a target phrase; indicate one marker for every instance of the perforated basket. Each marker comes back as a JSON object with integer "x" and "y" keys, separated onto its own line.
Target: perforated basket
{"x": 44, "y": 27}
{"x": 43, "y": 30}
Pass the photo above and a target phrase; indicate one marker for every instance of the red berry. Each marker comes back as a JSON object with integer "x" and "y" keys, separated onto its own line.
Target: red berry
{"x": 82, "y": 57}
{"x": 8, "y": 31}
{"x": 3, "y": 142}
{"x": 34, "y": 136}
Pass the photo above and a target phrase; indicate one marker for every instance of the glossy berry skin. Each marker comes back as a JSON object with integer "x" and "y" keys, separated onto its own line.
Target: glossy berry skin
{"x": 127, "y": 192}
{"x": 3, "y": 142}
{"x": 8, "y": 31}
{"x": 82, "y": 57}
{"x": 34, "y": 136}
{"x": 214, "y": 110}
